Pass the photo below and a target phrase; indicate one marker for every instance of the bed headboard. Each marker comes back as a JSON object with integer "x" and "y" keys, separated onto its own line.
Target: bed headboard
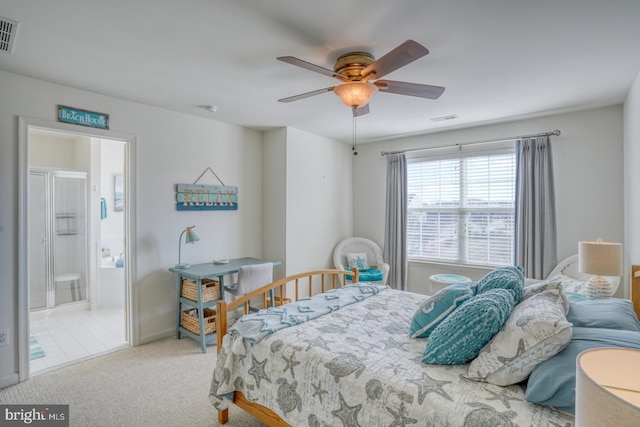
{"x": 635, "y": 288}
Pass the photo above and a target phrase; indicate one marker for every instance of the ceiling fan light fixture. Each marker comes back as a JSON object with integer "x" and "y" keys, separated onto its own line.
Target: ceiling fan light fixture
{"x": 355, "y": 94}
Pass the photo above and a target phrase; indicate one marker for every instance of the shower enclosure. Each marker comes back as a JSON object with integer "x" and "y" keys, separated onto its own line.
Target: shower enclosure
{"x": 58, "y": 246}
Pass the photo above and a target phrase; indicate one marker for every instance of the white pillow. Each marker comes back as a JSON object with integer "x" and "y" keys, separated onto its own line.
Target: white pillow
{"x": 554, "y": 284}
{"x": 358, "y": 260}
{"x": 536, "y": 330}
{"x": 571, "y": 285}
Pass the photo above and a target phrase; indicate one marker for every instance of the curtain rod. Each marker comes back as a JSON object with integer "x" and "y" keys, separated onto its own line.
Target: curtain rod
{"x": 487, "y": 141}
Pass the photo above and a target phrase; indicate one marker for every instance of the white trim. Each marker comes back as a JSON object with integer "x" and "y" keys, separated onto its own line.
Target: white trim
{"x": 131, "y": 296}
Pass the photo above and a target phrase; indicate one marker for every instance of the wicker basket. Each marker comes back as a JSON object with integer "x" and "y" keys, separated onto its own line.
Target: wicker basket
{"x": 210, "y": 290}
{"x": 192, "y": 324}
{"x": 278, "y": 301}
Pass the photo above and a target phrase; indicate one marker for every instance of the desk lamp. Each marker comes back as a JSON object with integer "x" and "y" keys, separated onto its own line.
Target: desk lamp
{"x": 191, "y": 237}
{"x": 601, "y": 259}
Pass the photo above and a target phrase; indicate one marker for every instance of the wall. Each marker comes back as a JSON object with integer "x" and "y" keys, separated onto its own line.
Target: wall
{"x": 57, "y": 151}
{"x": 632, "y": 175}
{"x": 274, "y": 190}
{"x": 319, "y": 208}
{"x": 588, "y": 172}
{"x": 112, "y": 227}
{"x": 170, "y": 148}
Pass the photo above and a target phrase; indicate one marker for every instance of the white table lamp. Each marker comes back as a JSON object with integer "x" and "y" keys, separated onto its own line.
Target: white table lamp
{"x": 608, "y": 388}
{"x": 600, "y": 259}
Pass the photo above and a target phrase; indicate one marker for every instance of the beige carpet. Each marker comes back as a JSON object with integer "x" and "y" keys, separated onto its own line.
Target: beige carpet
{"x": 165, "y": 383}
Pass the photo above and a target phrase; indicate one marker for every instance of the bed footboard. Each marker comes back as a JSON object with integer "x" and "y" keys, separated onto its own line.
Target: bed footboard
{"x": 635, "y": 288}
{"x": 317, "y": 281}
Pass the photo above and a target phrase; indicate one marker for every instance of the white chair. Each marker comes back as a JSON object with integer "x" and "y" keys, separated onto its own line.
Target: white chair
{"x": 360, "y": 245}
{"x": 250, "y": 278}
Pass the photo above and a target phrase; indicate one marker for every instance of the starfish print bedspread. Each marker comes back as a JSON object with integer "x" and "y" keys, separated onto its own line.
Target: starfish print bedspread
{"x": 357, "y": 367}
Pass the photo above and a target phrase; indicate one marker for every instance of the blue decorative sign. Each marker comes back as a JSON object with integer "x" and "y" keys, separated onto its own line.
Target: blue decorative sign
{"x": 196, "y": 197}
{"x": 76, "y": 116}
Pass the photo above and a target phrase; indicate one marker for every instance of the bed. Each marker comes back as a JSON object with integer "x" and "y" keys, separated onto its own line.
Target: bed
{"x": 357, "y": 365}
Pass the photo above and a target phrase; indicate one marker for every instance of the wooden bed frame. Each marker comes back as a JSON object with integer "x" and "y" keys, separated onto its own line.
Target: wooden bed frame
{"x": 266, "y": 415}
{"x": 324, "y": 279}
{"x": 635, "y": 288}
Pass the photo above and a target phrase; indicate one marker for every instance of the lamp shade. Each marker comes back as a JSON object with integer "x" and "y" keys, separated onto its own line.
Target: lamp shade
{"x": 600, "y": 258}
{"x": 191, "y": 237}
{"x": 608, "y": 388}
{"x": 355, "y": 94}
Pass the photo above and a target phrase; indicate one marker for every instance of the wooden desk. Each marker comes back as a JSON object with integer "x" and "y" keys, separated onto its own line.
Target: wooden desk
{"x": 197, "y": 272}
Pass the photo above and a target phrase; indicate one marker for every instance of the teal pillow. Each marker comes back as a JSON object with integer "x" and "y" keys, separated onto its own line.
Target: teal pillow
{"x": 572, "y": 296}
{"x": 511, "y": 277}
{"x": 611, "y": 313}
{"x": 437, "y": 307}
{"x": 459, "y": 338}
{"x": 553, "y": 382}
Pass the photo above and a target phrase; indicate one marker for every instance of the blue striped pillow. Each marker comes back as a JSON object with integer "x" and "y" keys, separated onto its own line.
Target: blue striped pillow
{"x": 437, "y": 307}
{"x": 459, "y": 338}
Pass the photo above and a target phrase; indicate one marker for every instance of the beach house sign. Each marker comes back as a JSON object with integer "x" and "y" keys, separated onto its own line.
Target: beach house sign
{"x": 76, "y": 116}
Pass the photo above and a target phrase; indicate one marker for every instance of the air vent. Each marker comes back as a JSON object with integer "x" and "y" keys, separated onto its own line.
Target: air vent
{"x": 8, "y": 31}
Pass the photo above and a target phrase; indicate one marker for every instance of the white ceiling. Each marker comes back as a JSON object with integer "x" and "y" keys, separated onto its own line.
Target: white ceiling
{"x": 498, "y": 59}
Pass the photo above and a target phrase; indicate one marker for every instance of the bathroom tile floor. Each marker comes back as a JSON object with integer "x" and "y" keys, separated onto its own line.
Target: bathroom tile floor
{"x": 68, "y": 338}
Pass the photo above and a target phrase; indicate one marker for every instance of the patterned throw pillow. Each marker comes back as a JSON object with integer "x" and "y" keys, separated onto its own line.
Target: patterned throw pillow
{"x": 511, "y": 278}
{"x": 358, "y": 260}
{"x": 536, "y": 330}
{"x": 460, "y": 336}
{"x": 437, "y": 307}
{"x": 570, "y": 285}
{"x": 547, "y": 285}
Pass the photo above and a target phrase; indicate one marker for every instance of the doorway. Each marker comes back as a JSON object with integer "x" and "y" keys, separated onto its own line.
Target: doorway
{"x": 74, "y": 299}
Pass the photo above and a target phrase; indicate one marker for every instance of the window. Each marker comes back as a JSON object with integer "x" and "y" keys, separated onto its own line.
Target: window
{"x": 462, "y": 209}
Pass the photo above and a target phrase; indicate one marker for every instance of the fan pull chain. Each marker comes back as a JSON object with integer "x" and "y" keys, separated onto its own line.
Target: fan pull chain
{"x": 353, "y": 147}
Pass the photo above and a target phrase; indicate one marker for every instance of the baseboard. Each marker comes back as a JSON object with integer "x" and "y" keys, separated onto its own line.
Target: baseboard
{"x": 155, "y": 337}
{"x": 9, "y": 380}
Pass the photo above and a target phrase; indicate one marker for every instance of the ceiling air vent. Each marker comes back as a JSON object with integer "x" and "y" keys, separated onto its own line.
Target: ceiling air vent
{"x": 8, "y": 31}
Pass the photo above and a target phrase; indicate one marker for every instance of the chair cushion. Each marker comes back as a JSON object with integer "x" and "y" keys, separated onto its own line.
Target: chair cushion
{"x": 368, "y": 275}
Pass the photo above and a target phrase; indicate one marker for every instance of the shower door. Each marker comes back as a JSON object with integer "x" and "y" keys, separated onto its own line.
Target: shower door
{"x": 58, "y": 235}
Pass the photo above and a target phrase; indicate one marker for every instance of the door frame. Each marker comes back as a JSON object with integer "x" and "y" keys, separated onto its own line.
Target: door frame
{"x": 131, "y": 297}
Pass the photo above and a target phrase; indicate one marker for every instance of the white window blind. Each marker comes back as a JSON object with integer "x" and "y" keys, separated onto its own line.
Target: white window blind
{"x": 462, "y": 209}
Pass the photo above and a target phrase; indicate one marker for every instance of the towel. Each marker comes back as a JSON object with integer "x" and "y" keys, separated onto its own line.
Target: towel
{"x": 103, "y": 208}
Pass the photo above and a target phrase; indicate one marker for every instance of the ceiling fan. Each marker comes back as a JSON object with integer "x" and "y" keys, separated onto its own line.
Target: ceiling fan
{"x": 359, "y": 73}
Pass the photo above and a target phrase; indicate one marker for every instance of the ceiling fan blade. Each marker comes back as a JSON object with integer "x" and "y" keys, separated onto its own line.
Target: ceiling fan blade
{"x": 306, "y": 95}
{"x": 402, "y": 55}
{"x": 411, "y": 89}
{"x": 309, "y": 66}
{"x": 361, "y": 111}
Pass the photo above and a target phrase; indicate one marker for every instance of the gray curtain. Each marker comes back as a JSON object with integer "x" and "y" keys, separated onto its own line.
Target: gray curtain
{"x": 536, "y": 249}
{"x": 395, "y": 229}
